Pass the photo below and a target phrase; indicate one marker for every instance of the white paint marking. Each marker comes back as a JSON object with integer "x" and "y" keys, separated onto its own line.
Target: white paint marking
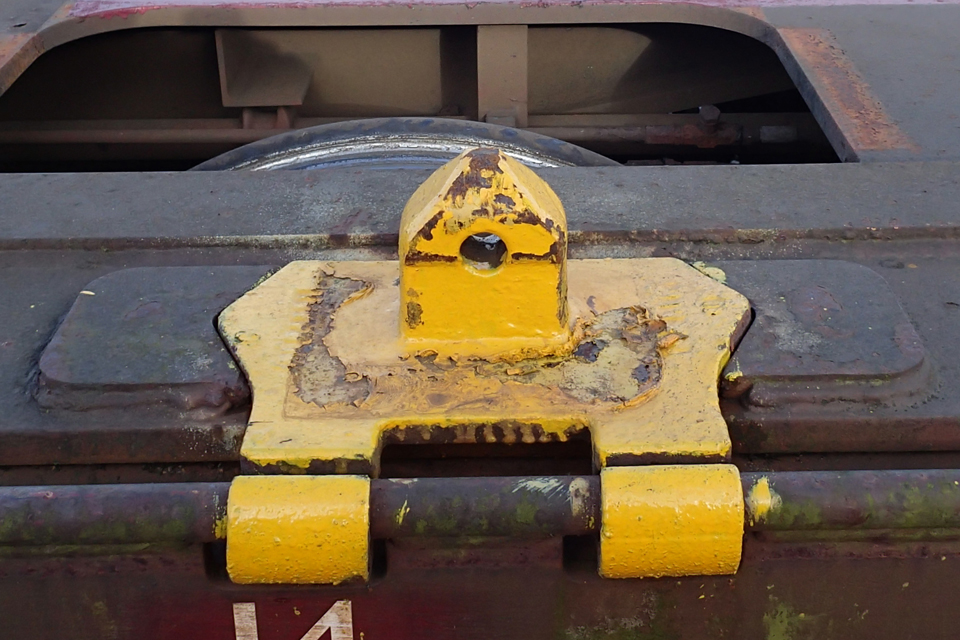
{"x": 338, "y": 620}
{"x": 245, "y": 620}
{"x": 579, "y": 492}
{"x": 543, "y": 485}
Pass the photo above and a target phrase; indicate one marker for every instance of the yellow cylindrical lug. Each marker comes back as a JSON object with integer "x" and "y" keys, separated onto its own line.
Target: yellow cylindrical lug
{"x": 671, "y": 520}
{"x": 298, "y": 529}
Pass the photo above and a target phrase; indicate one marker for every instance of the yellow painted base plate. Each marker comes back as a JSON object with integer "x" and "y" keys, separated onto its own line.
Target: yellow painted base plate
{"x": 332, "y": 378}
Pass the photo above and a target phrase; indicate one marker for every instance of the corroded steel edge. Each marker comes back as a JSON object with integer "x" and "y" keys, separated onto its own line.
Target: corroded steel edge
{"x": 849, "y": 103}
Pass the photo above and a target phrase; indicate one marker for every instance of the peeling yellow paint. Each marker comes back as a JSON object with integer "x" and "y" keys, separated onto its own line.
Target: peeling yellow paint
{"x": 761, "y": 500}
{"x": 714, "y": 272}
{"x": 454, "y": 305}
{"x": 298, "y": 529}
{"x": 418, "y": 398}
{"x": 402, "y": 513}
{"x": 220, "y": 528}
{"x": 671, "y": 520}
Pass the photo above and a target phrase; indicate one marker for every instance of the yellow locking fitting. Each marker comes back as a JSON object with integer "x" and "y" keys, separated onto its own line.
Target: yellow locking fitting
{"x": 298, "y": 529}
{"x": 484, "y": 332}
{"x": 483, "y": 247}
{"x": 671, "y": 520}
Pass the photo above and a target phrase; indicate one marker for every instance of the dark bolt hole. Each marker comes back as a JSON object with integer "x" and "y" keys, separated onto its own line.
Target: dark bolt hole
{"x": 483, "y": 251}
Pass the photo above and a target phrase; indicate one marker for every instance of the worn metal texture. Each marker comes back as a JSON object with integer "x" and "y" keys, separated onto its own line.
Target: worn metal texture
{"x": 146, "y": 336}
{"x": 820, "y": 506}
{"x": 768, "y": 206}
{"x": 511, "y": 507}
{"x": 860, "y": 599}
{"x": 830, "y": 596}
{"x": 851, "y": 501}
{"x": 889, "y": 101}
{"x": 841, "y": 98}
{"x": 850, "y": 354}
{"x": 824, "y": 331}
{"x": 886, "y": 586}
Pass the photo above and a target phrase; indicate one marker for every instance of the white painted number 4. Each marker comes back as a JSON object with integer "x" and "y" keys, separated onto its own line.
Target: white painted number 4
{"x": 338, "y": 620}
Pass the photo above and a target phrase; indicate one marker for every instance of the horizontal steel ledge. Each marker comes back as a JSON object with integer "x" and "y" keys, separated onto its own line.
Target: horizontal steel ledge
{"x": 516, "y": 507}
{"x": 277, "y": 209}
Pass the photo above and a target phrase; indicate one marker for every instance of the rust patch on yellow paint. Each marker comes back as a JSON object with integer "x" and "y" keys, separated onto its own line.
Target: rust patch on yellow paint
{"x": 615, "y": 359}
{"x": 674, "y": 520}
{"x": 857, "y": 112}
{"x": 298, "y": 529}
{"x": 761, "y": 500}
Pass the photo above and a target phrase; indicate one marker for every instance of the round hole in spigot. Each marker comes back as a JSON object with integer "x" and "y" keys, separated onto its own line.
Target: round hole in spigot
{"x": 483, "y": 251}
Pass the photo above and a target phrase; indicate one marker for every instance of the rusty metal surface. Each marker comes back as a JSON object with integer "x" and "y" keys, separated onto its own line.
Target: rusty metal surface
{"x": 834, "y": 329}
{"x": 465, "y": 507}
{"x": 17, "y": 52}
{"x": 889, "y": 71}
{"x": 842, "y": 97}
{"x": 898, "y": 220}
{"x": 849, "y": 501}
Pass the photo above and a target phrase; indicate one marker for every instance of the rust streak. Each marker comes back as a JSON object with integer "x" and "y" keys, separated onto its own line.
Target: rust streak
{"x": 847, "y": 96}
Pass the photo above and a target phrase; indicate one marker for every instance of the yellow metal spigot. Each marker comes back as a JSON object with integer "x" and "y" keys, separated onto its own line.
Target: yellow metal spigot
{"x": 483, "y": 247}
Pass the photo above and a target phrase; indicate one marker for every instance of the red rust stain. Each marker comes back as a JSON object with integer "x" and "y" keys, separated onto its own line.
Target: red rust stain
{"x": 17, "y": 52}
{"x": 859, "y": 114}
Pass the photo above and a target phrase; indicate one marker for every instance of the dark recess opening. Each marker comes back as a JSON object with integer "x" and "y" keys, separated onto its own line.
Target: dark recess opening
{"x": 574, "y": 457}
{"x": 163, "y": 99}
